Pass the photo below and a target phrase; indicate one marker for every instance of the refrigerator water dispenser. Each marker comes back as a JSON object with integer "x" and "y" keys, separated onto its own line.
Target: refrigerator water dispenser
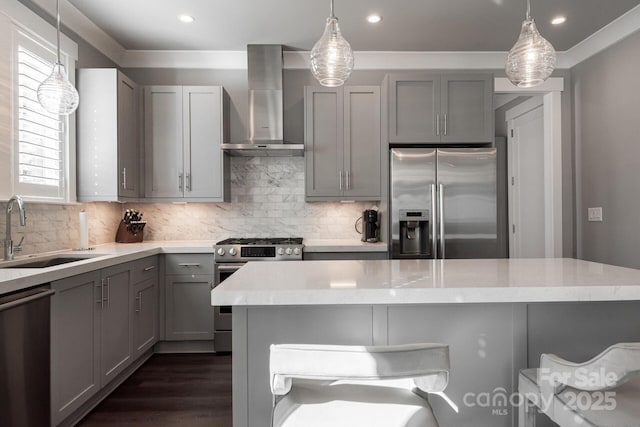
{"x": 414, "y": 232}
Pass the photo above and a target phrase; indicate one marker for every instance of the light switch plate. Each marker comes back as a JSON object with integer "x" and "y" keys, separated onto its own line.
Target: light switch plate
{"x": 594, "y": 214}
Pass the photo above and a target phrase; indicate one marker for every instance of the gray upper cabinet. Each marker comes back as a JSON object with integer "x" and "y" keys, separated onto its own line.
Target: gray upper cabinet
{"x": 342, "y": 143}
{"x": 441, "y": 108}
{"x": 108, "y": 136}
{"x": 184, "y": 127}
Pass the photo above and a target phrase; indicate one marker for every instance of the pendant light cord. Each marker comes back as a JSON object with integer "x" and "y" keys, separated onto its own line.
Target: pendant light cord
{"x": 58, "y": 27}
{"x": 332, "y": 15}
{"x": 528, "y": 10}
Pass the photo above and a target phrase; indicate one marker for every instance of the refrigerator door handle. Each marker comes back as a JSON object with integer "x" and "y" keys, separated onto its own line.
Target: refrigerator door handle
{"x": 441, "y": 219}
{"x": 434, "y": 226}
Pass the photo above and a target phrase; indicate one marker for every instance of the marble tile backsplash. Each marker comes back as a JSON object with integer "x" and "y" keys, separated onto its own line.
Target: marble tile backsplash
{"x": 55, "y": 227}
{"x": 267, "y": 199}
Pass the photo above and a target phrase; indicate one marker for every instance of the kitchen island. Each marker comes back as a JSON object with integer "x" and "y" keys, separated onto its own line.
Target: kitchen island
{"x": 498, "y": 316}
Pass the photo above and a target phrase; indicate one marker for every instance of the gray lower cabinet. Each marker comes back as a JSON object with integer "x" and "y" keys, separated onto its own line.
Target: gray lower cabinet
{"x": 440, "y": 108}
{"x": 91, "y": 335}
{"x": 116, "y": 332}
{"x": 188, "y": 284}
{"x": 342, "y": 143}
{"x": 145, "y": 304}
{"x": 75, "y": 343}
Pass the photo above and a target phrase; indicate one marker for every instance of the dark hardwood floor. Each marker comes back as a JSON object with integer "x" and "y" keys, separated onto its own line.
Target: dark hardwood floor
{"x": 187, "y": 390}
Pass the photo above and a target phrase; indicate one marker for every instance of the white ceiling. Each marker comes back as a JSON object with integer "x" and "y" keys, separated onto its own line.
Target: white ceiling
{"x": 408, "y": 25}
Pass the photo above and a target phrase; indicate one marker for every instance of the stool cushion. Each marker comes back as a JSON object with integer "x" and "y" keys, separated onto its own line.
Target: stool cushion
{"x": 342, "y": 405}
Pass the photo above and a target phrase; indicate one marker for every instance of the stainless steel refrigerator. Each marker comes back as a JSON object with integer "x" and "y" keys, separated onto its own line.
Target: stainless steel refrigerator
{"x": 444, "y": 203}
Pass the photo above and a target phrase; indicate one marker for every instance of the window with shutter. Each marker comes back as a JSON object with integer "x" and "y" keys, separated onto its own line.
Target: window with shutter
{"x": 40, "y": 149}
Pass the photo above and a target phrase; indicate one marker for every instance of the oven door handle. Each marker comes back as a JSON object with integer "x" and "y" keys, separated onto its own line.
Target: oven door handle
{"x": 229, "y": 267}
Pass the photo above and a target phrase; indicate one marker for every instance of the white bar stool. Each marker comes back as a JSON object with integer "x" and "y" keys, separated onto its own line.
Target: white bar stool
{"x": 330, "y": 385}
{"x": 602, "y": 392}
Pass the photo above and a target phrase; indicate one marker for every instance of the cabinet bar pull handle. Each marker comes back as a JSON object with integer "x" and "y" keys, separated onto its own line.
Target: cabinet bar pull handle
{"x": 348, "y": 180}
{"x": 445, "y": 124}
{"x": 340, "y": 175}
{"x": 434, "y": 227}
{"x": 441, "y": 220}
{"x": 189, "y": 264}
{"x": 139, "y": 302}
{"x": 108, "y": 292}
{"x": 180, "y": 183}
{"x": 124, "y": 178}
{"x": 101, "y": 286}
{"x": 150, "y": 268}
{"x": 438, "y": 124}
{"x": 189, "y": 182}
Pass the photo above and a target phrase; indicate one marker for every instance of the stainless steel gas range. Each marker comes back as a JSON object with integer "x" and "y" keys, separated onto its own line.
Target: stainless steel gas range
{"x": 230, "y": 255}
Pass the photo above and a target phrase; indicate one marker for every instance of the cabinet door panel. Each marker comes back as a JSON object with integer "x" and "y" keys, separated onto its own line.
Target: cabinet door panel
{"x": 323, "y": 141}
{"x": 128, "y": 152}
{"x": 414, "y": 104}
{"x": 202, "y": 122}
{"x": 75, "y": 343}
{"x": 362, "y": 141}
{"x": 145, "y": 317}
{"x": 116, "y": 333}
{"x": 189, "y": 314}
{"x": 163, "y": 141}
{"x": 467, "y": 101}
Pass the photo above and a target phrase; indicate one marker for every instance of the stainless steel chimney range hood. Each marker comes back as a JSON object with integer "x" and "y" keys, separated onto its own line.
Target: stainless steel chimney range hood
{"x": 266, "y": 136}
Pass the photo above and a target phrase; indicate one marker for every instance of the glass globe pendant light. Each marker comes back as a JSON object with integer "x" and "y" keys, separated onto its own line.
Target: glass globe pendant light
{"x": 56, "y": 94}
{"x": 332, "y": 57}
{"x": 532, "y": 59}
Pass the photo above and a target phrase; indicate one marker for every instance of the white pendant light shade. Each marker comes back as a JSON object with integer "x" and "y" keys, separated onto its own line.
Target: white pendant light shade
{"x": 332, "y": 57}
{"x": 532, "y": 59}
{"x": 56, "y": 94}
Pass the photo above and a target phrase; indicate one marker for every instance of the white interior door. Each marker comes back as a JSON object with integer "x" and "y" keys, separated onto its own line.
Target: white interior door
{"x": 526, "y": 176}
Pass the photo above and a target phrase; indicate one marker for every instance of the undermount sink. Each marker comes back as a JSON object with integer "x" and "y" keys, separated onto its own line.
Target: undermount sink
{"x": 44, "y": 262}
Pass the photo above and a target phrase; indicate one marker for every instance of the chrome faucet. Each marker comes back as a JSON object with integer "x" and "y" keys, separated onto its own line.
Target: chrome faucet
{"x": 9, "y": 249}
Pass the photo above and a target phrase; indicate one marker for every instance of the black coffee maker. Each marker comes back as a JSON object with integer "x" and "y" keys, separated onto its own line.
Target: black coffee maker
{"x": 370, "y": 226}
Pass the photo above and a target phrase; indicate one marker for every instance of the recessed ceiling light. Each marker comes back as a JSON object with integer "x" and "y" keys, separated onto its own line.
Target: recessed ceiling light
{"x": 374, "y": 19}
{"x": 559, "y": 20}
{"x": 187, "y": 19}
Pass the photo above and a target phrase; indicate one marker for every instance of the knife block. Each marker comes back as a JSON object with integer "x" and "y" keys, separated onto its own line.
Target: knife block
{"x": 130, "y": 233}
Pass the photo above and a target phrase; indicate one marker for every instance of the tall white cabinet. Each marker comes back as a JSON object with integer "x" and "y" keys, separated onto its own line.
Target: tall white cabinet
{"x": 108, "y": 136}
{"x": 184, "y": 127}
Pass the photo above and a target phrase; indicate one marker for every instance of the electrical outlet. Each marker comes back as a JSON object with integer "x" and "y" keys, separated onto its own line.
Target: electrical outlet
{"x": 594, "y": 214}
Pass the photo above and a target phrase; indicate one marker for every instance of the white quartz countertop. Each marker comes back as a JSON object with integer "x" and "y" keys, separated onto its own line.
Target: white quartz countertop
{"x": 426, "y": 282}
{"x": 342, "y": 245}
{"x": 14, "y": 279}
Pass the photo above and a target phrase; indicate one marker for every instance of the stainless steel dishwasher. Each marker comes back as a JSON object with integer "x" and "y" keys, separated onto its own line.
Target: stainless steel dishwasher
{"x": 24, "y": 358}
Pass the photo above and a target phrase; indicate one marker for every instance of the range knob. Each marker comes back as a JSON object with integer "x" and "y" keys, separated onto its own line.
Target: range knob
{"x": 296, "y": 251}
{"x": 220, "y": 251}
{"x": 280, "y": 251}
{"x": 233, "y": 251}
{"x": 288, "y": 251}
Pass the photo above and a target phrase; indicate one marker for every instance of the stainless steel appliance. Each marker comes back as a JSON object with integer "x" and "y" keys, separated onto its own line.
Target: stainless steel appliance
{"x": 444, "y": 203}
{"x": 266, "y": 112}
{"x": 230, "y": 256}
{"x": 24, "y": 358}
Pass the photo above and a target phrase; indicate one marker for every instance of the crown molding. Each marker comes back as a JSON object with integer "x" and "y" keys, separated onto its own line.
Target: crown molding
{"x": 77, "y": 22}
{"x": 618, "y": 29}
